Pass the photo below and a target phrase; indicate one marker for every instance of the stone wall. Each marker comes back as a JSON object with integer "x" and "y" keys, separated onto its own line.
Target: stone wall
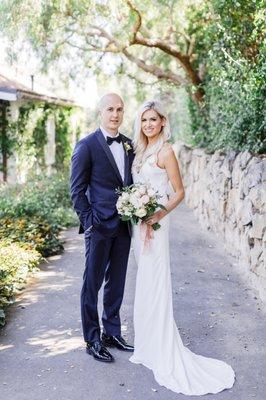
{"x": 228, "y": 195}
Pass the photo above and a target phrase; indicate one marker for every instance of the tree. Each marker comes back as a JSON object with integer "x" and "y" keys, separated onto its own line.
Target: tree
{"x": 151, "y": 35}
{"x": 231, "y": 46}
{"x": 213, "y": 48}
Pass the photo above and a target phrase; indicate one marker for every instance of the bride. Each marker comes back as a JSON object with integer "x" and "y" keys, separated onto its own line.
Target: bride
{"x": 158, "y": 345}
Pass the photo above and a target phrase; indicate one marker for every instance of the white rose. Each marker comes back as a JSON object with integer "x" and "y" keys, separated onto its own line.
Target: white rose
{"x": 151, "y": 192}
{"x": 141, "y": 212}
{"x": 137, "y": 193}
{"x": 119, "y": 203}
{"x": 142, "y": 190}
{"x": 145, "y": 199}
{"x": 125, "y": 196}
{"x": 135, "y": 201}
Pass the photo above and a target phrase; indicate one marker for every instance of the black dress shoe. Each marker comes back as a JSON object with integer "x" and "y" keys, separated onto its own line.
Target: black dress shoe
{"x": 116, "y": 341}
{"x": 99, "y": 352}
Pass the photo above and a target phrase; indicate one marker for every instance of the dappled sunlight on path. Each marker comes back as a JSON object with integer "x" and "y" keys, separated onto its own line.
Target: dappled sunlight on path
{"x": 217, "y": 313}
{"x": 53, "y": 342}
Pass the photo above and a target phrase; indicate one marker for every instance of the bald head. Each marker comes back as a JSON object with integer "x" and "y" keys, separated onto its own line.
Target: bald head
{"x": 109, "y": 97}
{"x": 111, "y": 110}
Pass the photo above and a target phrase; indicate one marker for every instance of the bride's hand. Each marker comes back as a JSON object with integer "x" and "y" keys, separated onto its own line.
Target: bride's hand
{"x": 153, "y": 219}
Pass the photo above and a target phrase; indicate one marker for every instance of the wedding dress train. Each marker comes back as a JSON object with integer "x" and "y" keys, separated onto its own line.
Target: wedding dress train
{"x": 158, "y": 345}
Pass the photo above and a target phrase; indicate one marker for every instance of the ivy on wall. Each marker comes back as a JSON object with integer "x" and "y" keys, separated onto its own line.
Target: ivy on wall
{"x": 27, "y": 136}
{"x": 7, "y": 141}
{"x": 62, "y": 137}
{"x": 39, "y": 135}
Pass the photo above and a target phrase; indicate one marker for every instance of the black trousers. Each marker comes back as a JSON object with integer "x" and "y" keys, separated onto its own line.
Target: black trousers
{"x": 106, "y": 260}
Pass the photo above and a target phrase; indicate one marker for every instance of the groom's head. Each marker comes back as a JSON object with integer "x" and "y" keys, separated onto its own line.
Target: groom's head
{"x": 111, "y": 110}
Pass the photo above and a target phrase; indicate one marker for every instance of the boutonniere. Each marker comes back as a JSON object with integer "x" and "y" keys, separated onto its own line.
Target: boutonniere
{"x": 127, "y": 147}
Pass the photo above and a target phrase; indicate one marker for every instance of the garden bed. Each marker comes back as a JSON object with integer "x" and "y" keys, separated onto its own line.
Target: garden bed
{"x": 31, "y": 218}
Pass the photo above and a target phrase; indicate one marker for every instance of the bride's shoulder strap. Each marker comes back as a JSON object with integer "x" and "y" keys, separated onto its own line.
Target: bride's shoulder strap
{"x": 163, "y": 149}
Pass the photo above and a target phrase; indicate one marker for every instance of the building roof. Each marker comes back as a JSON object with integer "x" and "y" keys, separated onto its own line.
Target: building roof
{"x": 12, "y": 90}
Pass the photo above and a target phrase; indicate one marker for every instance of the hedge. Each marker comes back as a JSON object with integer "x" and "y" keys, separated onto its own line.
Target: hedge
{"x": 31, "y": 218}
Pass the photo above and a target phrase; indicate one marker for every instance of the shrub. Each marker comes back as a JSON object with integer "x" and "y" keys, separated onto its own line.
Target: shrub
{"x": 46, "y": 197}
{"x": 33, "y": 230}
{"x": 36, "y": 212}
{"x": 17, "y": 261}
{"x": 229, "y": 43}
{"x": 31, "y": 217}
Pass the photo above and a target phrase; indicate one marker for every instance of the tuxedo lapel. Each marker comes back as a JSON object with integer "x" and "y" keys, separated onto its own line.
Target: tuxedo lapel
{"x": 109, "y": 154}
{"x": 126, "y": 159}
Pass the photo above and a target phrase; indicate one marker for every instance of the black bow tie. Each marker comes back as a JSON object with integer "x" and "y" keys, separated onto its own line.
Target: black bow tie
{"x": 110, "y": 140}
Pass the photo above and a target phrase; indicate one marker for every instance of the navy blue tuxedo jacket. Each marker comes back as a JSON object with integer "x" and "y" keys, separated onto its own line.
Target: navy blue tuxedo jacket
{"x": 94, "y": 178}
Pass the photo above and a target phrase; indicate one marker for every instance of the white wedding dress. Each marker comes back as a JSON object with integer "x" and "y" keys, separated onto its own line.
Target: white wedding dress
{"x": 158, "y": 344}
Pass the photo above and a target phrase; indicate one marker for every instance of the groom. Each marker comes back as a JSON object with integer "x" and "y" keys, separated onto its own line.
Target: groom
{"x": 101, "y": 162}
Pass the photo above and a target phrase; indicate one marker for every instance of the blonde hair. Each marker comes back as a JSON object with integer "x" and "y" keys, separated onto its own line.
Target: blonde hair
{"x": 140, "y": 141}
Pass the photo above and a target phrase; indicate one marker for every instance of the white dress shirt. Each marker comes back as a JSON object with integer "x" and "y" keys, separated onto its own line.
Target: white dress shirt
{"x": 117, "y": 149}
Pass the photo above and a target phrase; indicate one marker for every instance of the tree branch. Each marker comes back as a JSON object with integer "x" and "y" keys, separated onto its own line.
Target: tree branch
{"x": 111, "y": 40}
{"x": 174, "y": 52}
{"x": 138, "y": 21}
{"x": 154, "y": 70}
{"x": 113, "y": 46}
{"x": 133, "y": 77}
{"x": 92, "y": 48}
{"x": 183, "y": 59}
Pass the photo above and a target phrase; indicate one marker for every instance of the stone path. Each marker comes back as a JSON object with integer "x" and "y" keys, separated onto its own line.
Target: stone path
{"x": 42, "y": 354}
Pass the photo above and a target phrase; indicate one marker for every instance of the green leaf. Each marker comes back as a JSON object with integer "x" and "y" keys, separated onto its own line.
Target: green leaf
{"x": 125, "y": 218}
{"x": 156, "y": 226}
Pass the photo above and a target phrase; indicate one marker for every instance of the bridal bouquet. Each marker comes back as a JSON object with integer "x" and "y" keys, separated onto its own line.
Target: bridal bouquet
{"x": 138, "y": 202}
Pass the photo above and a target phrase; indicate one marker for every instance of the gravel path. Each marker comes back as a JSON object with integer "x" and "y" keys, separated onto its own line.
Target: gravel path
{"x": 42, "y": 353}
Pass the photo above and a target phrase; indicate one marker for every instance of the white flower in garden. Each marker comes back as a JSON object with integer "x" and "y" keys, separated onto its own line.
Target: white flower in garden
{"x": 145, "y": 199}
{"x": 141, "y": 212}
